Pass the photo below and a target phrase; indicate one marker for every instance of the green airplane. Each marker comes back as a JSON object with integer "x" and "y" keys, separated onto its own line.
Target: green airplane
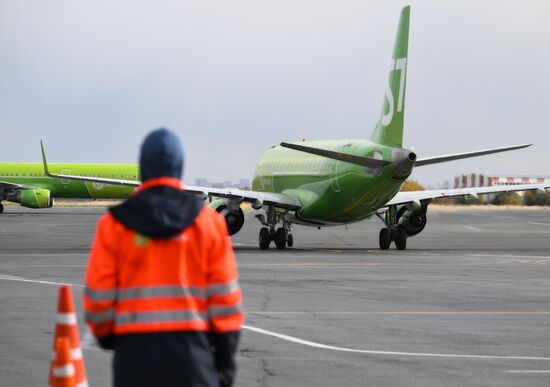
{"x": 312, "y": 183}
{"x": 28, "y": 184}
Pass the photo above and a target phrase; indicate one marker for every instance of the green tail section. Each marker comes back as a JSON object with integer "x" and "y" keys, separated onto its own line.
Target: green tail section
{"x": 389, "y": 130}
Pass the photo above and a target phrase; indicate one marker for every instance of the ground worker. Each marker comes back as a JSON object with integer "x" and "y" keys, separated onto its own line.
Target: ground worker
{"x": 161, "y": 283}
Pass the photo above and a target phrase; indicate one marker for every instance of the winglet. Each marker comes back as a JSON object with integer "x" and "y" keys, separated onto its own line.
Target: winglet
{"x": 44, "y": 159}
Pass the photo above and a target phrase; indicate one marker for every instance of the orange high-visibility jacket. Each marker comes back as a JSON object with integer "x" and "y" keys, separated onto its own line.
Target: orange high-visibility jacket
{"x": 137, "y": 284}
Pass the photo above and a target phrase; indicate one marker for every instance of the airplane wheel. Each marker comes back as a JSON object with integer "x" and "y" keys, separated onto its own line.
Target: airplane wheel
{"x": 401, "y": 239}
{"x": 1, "y": 208}
{"x": 265, "y": 238}
{"x": 289, "y": 240}
{"x": 384, "y": 239}
{"x": 280, "y": 238}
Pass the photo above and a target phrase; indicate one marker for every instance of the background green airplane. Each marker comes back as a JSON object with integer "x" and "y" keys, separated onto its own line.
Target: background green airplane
{"x": 314, "y": 183}
{"x": 27, "y": 184}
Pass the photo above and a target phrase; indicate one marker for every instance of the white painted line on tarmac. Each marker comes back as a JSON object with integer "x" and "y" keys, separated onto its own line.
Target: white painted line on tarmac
{"x": 387, "y": 353}
{"x": 540, "y": 224}
{"x": 528, "y": 371}
{"x": 19, "y": 279}
{"x": 472, "y": 228}
{"x": 309, "y": 264}
{"x": 40, "y": 254}
{"x": 31, "y": 266}
{"x": 318, "y": 345}
{"x": 89, "y": 342}
{"x": 392, "y": 313}
{"x": 510, "y": 256}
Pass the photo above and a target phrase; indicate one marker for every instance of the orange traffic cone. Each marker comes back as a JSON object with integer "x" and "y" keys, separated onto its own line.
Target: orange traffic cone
{"x": 66, "y": 325}
{"x": 63, "y": 372}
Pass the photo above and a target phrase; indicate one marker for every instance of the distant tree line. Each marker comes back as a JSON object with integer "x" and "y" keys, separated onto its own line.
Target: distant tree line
{"x": 530, "y": 198}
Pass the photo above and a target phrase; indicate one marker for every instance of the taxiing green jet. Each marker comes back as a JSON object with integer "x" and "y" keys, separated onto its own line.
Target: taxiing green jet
{"x": 313, "y": 183}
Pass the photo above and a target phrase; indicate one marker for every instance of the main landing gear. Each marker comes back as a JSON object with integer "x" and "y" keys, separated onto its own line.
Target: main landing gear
{"x": 394, "y": 232}
{"x": 281, "y": 236}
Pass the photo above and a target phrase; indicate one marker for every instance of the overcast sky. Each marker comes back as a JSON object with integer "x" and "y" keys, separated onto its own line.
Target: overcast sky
{"x": 232, "y": 78}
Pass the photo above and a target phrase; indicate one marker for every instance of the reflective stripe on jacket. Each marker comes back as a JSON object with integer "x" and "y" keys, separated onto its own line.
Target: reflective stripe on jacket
{"x": 189, "y": 282}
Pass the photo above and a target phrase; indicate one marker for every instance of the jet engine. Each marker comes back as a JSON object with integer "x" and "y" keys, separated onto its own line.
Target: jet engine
{"x": 232, "y": 212}
{"x": 32, "y": 198}
{"x": 413, "y": 221}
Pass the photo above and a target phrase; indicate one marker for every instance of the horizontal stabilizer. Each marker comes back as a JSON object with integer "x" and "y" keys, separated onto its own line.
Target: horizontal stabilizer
{"x": 459, "y": 156}
{"x": 368, "y": 162}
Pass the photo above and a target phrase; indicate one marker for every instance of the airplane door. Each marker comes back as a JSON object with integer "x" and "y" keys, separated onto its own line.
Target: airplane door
{"x": 65, "y": 172}
{"x": 334, "y": 176}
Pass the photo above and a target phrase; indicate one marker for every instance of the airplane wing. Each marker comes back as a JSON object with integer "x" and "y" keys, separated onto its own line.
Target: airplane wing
{"x": 416, "y": 196}
{"x": 256, "y": 198}
{"x": 6, "y": 186}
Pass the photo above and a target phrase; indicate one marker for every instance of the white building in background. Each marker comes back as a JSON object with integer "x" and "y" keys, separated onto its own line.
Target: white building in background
{"x": 479, "y": 180}
{"x": 244, "y": 184}
{"x": 201, "y": 181}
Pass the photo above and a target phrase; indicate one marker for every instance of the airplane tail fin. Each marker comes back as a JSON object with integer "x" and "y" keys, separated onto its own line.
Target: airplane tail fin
{"x": 389, "y": 130}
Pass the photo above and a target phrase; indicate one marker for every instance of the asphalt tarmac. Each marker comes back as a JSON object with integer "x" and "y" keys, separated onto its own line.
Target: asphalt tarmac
{"x": 468, "y": 304}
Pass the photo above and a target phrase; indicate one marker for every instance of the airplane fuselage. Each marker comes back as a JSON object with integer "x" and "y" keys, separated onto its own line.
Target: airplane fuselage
{"x": 331, "y": 191}
{"x": 32, "y": 175}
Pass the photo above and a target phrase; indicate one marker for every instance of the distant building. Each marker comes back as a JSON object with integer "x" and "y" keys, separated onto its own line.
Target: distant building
{"x": 244, "y": 184}
{"x": 221, "y": 184}
{"x": 478, "y": 180}
{"x": 201, "y": 181}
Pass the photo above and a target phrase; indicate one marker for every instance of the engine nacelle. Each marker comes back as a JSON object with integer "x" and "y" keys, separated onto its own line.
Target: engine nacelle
{"x": 233, "y": 214}
{"x": 33, "y": 198}
{"x": 413, "y": 221}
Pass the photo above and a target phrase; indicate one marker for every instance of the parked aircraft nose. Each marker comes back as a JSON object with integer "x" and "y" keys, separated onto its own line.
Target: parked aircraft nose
{"x": 403, "y": 160}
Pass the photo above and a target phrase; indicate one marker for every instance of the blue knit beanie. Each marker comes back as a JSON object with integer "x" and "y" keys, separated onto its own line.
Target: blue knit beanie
{"x": 161, "y": 155}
